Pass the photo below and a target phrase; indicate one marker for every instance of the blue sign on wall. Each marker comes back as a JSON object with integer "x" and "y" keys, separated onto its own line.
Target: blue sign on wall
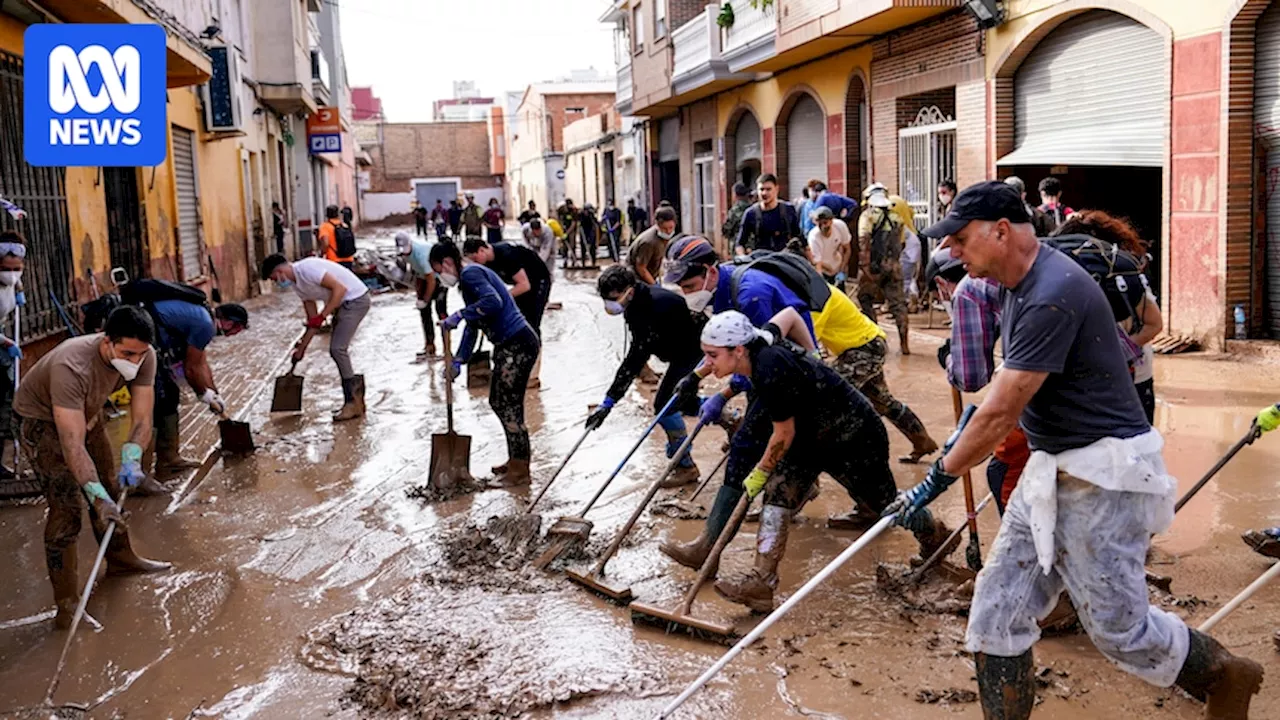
{"x": 327, "y": 143}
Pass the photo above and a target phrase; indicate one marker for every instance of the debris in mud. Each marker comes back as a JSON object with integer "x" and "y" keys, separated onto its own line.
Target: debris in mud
{"x": 950, "y": 696}
{"x": 946, "y": 590}
{"x": 494, "y": 557}
{"x": 428, "y": 493}
{"x": 674, "y": 507}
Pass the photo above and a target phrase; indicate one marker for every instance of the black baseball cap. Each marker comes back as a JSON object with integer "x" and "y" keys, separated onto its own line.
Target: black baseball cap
{"x": 990, "y": 200}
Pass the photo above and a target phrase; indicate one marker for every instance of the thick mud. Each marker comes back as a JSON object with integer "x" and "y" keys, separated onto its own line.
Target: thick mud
{"x": 308, "y": 583}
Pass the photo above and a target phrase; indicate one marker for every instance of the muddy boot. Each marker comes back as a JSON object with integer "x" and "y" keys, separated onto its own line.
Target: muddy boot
{"x": 65, "y": 581}
{"x": 755, "y": 587}
{"x": 353, "y": 399}
{"x": 931, "y": 533}
{"x": 753, "y": 515}
{"x": 859, "y": 519}
{"x": 1226, "y": 683}
{"x": 681, "y": 476}
{"x": 122, "y": 559}
{"x": 500, "y": 469}
{"x": 516, "y": 474}
{"x": 921, "y": 443}
{"x": 1263, "y": 542}
{"x": 149, "y": 487}
{"x": 1006, "y": 686}
{"x": 903, "y": 334}
{"x": 686, "y": 472}
{"x": 169, "y": 462}
{"x": 694, "y": 554}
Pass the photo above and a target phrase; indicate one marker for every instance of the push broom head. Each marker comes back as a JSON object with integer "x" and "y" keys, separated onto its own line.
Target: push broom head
{"x": 670, "y": 622}
{"x": 622, "y": 597}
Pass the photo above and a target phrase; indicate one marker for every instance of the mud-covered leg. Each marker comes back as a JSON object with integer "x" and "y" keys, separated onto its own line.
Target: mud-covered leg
{"x": 512, "y": 362}
{"x": 867, "y": 294}
{"x": 62, "y": 524}
{"x": 896, "y": 303}
{"x": 121, "y": 556}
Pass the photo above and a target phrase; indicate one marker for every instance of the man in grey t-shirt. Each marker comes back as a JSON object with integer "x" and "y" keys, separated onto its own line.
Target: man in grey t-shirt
{"x": 1093, "y": 492}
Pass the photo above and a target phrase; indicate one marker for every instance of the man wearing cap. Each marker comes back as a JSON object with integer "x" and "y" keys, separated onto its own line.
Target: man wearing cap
{"x": 472, "y": 219}
{"x": 829, "y": 243}
{"x": 427, "y": 287}
{"x": 1093, "y": 492}
{"x": 650, "y": 246}
{"x": 880, "y": 237}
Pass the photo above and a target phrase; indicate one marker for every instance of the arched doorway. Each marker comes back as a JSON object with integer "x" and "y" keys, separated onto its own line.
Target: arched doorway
{"x": 747, "y": 151}
{"x": 857, "y": 126}
{"x": 800, "y": 137}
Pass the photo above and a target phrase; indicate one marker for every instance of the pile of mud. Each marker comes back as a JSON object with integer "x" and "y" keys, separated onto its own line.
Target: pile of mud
{"x": 944, "y": 590}
{"x": 494, "y": 557}
{"x": 430, "y": 654}
{"x": 431, "y": 493}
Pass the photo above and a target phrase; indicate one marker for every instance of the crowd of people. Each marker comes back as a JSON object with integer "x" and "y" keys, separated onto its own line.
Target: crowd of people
{"x": 790, "y": 321}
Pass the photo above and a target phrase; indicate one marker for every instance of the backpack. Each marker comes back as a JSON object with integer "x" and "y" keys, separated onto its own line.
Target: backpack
{"x": 1117, "y": 271}
{"x": 789, "y": 214}
{"x": 794, "y": 271}
{"x": 883, "y": 237}
{"x": 344, "y": 241}
{"x": 146, "y": 292}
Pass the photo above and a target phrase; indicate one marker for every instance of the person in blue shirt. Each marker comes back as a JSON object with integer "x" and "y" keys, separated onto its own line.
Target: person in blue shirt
{"x": 491, "y": 309}
{"x": 428, "y": 288}
{"x": 844, "y": 208}
{"x": 805, "y": 206}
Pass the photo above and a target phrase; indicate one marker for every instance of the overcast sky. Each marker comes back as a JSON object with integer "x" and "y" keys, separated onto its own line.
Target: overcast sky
{"x": 411, "y": 51}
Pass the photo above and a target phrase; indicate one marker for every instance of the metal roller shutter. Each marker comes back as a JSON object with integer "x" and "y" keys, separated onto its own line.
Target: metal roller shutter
{"x": 1093, "y": 93}
{"x": 747, "y": 139}
{"x": 669, "y": 139}
{"x": 184, "y": 176}
{"x": 1266, "y": 116}
{"x": 806, "y": 145}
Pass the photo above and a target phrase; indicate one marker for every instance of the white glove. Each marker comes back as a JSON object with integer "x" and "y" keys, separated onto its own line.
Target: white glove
{"x": 214, "y": 401}
{"x": 421, "y": 304}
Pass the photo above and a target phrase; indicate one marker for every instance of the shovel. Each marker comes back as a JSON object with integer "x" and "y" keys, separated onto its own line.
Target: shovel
{"x": 973, "y": 552}
{"x": 216, "y": 292}
{"x": 450, "y": 452}
{"x": 591, "y": 580}
{"x": 288, "y": 393}
{"x": 479, "y": 369}
{"x": 237, "y": 439}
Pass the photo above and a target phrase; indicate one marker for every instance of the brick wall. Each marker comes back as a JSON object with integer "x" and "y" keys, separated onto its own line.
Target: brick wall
{"x": 556, "y": 106}
{"x": 925, "y": 48}
{"x": 680, "y": 12}
{"x": 420, "y": 150}
{"x": 909, "y": 106}
{"x": 971, "y": 132}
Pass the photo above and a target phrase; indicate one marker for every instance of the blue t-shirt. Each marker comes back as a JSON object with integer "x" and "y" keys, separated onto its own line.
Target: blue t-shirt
{"x": 1057, "y": 320}
{"x": 842, "y": 207}
{"x": 490, "y": 308}
{"x": 419, "y": 254}
{"x": 807, "y": 222}
{"x": 760, "y": 297}
{"x": 183, "y": 325}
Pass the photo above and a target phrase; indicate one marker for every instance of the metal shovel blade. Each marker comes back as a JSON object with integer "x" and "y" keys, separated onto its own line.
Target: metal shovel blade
{"x": 237, "y": 439}
{"x": 288, "y": 394}
{"x": 450, "y": 460}
{"x": 479, "y": 370}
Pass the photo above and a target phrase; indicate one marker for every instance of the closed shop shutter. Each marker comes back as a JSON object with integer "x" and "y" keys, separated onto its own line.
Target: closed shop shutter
{"x": 184, "y": 177}
{"x": 428, "y": 192}
{"x": 1266, "y": 116}
{"x": 806, "y": 146}
{"x": 669, "y": 139}
{"x": 1093, "y": 92}
{"x": 747, "y": 139}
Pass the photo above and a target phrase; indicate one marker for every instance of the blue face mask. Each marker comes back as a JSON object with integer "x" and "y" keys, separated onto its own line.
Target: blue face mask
{"x": 613, "y": 307}
{"x": 284, "y": 284}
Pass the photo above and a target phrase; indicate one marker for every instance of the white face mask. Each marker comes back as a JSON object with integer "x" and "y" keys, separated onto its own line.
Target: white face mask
{"x": 666, "y": 235}
{"x": 698, "y": 300}
{"x": 127, "y": 370}
{"x": 9, "y": 278}
{"x": 448, "y": 279}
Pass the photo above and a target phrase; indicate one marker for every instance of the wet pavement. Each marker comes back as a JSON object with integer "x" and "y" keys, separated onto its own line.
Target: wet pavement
{"x": 308, "y": 583}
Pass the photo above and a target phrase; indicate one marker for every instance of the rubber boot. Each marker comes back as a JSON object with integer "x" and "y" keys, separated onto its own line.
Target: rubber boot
{"x": 921, "y": 442}
{"x": 694, "y": 554}
{"x": 353, "y": 399}
{"x": 65, "y": 581}
{"x": 903, "y": 334}
{"x": 120, "y": 555}
{"x": 169, "y": 462}
{"x": 149, "y": 484}
{"x": 931, "y": 533}
{"x": 686, "y": 472}
{"x": 516, "y": 474}
{"x": 1006, "y": 686}
{"x": 755, "y": 587}
{"x": 1226, "y": 683}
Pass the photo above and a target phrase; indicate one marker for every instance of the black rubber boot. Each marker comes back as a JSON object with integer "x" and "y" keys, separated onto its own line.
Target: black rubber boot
{"x": 1225, "y": 682}
{"x": 693, "y": 554}
{"x": 1006, "y": 686}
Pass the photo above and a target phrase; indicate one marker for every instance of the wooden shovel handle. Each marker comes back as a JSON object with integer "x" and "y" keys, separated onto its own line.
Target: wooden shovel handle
{"x": 448, "y": 368}
{"x": 713, "y": 560}
{"x": 957, "y": 403}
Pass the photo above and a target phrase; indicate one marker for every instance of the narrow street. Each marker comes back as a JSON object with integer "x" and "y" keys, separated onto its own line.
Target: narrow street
{"x": 309, "y": 583}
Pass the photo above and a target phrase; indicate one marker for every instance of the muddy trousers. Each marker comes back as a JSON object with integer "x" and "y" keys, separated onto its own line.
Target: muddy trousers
{"x": 512, "y": 362}
{"x": 863, "y": 368}
{"x": 345, "y": 322}
{"x": 1101, "y": 541}
{"x": 889, "y": 284}
{"x": 440, "y": 303}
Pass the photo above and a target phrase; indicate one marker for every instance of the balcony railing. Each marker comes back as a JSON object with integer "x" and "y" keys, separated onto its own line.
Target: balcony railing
{"x": 623, "y": 96}
{"x": 751, "y": 37}
{"x": 696, "y": 43}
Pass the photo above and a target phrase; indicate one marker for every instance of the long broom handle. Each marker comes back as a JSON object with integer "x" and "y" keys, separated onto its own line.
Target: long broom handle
{"x": 713, "y": 559}
{"x": 556, "y": 474}
{"x": 84, "y": 600}
{"x": 776, "y": 615}
{"x": 942, "y": 549}
{"x": 653, "y": 490}
{"x": 698, "y": 490}
{"x": 1253, "y": 434}
{"x": 618, "y": 470}
{"x": 17, "y": 372}
{"x": 1239, "y": 600}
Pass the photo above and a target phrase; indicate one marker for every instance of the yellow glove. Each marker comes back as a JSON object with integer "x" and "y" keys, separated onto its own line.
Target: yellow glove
{"x": 755, "y": 482}
{"x": 1269, "y": 418}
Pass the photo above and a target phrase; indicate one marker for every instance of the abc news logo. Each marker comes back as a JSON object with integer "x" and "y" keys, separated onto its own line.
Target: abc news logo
{"x": 95, "y": 95}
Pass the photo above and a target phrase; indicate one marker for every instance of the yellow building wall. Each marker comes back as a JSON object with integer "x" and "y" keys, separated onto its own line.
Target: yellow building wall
{"x": 828, "y": 78}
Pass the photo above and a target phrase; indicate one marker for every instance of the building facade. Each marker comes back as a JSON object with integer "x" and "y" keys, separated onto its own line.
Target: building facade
{"x": 418, "y": 163}
{"x": 535, "y": 159}
{"x": 1161, "y": 112}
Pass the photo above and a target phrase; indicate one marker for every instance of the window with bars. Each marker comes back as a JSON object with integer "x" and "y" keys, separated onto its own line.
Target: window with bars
{"x": 41, "y": 192}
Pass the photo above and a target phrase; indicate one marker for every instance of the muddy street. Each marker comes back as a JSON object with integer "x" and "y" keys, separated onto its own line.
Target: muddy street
{"x": 308, "y": 581}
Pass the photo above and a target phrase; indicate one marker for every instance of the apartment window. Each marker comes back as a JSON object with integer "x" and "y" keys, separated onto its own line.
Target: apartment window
{"x": 637, "y": 23}
{"x": 659, "y": 19}
{"x": 574, "y": 113}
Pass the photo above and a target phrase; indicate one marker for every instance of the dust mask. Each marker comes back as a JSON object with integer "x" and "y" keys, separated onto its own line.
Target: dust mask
{"x": 666, "y": 235}
{"x": 9, "y": 278}
{"x": 699, "y": 299}
{"x": 449, "y": 279}
{"x": 127, "y": 370}
{"x": 284, "y": 284}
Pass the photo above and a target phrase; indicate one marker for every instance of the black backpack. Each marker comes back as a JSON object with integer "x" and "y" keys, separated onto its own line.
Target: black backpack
{"x": 146, "y": 292}
{"x": 1118, "y": 272}
{"x": 883, "y": 237}
{"x": 344, "y": 241}
{"x": 794, "y": 271}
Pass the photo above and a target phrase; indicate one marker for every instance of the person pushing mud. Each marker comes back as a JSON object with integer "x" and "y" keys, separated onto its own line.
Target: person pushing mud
{"x": 60, "y": 424}
{"x": 660, "y": 324}
{"x": 1092, "y": 494}
{"x": 491, "y": 309}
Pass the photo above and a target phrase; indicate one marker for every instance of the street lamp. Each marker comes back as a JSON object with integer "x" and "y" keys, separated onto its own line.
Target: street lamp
{"x": 988, "y": 13}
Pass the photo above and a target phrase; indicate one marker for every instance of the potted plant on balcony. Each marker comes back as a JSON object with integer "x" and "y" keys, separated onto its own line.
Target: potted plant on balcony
{"x": 762, "y": 5}
{"x": 725, "y": 18}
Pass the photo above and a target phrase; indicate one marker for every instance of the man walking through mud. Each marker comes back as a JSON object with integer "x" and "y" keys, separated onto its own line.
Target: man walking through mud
{"x": 1093, "y": 492}
{"x": 880, "y": 239}
{"x": 58, "y": 411}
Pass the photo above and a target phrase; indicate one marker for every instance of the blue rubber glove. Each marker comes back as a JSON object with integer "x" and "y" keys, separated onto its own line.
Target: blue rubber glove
{"x": 452, "y": 371}
{"x": 130, "y": 465}
{"x": 840, "y": 278}
{"x": 739, "y": 383}
{"x": 596, "y": 418}
{"x": 712, "y": 408}
{"x": 909, "y": 502}
{"x": 13, "y": 351}
{"x": 452, "y": 322}
{"x": 20, "y": 298}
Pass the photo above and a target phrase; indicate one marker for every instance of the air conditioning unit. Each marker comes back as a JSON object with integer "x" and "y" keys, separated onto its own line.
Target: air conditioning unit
{"x": 222, "y": 108}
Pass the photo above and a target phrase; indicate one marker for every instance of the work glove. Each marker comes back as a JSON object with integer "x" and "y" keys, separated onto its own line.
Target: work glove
{"x": 452, "y": 322}
{"x": 214, "y": 401}
{"x": 597, "y": 416}
{"x": 103, "y": 505}
{"x": 909, "y": 502}
{"x": 20, "y": 298}
{"x": 739, "y": 384}
{"x": 315, "y": 322}
{"x": 299, "y": 352}
{"x": 421, "y": 304}
{"x": 712, "y": 408}
{"x": 840, "y": 278}
{"x": 130, "y": 465}
{"x": 944, "y": 353}
{"x": 13, "y": 350}
{"x": 755, "y": 482}
{"x": 688, "y": 385}
{"x": 452, "y": 371}
{"x": 1269, "y": 418}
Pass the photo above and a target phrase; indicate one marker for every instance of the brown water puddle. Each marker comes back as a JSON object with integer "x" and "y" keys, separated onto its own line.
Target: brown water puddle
{"x": 307, "y": 583}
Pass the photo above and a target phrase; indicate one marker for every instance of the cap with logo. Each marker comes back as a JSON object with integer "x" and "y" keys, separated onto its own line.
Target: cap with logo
{"x": 686, "y": 253}
{"x": 823, "y": 213}
{"x": 990, "y": 200}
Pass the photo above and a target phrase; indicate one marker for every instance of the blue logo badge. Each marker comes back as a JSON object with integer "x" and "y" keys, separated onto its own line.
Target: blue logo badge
{"x": 95, "y": 95}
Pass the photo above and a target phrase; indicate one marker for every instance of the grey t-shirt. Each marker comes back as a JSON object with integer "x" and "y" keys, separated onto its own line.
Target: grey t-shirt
{"x": 1057, "y": 320}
